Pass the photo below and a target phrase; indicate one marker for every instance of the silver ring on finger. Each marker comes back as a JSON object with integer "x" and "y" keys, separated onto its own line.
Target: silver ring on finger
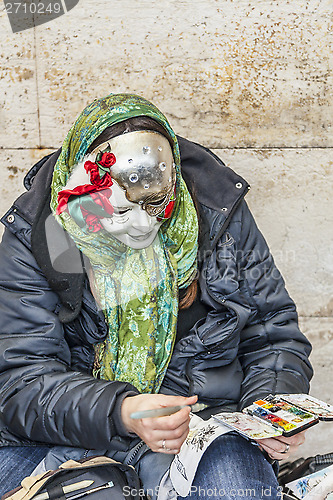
{"x": 164, "y": 447}
{"x": 287, "y": 448}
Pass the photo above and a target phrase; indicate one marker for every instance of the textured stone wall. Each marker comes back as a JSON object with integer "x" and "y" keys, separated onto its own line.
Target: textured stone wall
{"x": 251, "y": 80}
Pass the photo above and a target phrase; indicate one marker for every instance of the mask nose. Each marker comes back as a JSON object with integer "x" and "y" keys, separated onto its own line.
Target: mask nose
{"x": 142, "y": 221}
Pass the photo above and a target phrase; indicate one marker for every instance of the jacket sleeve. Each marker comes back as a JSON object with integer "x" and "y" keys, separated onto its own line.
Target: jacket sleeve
{"x": 41, "y": 398}
{"x": 273, "y": 352}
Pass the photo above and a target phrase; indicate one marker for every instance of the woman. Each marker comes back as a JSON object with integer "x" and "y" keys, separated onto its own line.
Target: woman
{"x": 133, "y": 277}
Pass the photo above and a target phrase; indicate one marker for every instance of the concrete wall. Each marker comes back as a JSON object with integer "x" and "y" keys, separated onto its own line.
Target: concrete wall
{"x": 251, "y": 80}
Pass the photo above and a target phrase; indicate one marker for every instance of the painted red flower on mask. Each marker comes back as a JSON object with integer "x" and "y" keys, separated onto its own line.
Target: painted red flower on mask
{"x": 98, "y": 183}
{"x": 93, "y": 215}
{"x": 101, "y": 198}
{"x": 92, "y": 221}
{"x": 107, "y": 160}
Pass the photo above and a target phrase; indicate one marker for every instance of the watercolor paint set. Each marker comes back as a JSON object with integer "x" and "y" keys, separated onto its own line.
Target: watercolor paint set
{"x": 283, "y": 414}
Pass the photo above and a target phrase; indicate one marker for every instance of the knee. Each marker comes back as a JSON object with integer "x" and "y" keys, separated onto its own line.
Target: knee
{"x": 233, "y": 467}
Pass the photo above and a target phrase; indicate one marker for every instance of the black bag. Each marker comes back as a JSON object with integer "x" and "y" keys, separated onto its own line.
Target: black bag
{"x": 290, "y": 471}
{"x": 93, "y": 478}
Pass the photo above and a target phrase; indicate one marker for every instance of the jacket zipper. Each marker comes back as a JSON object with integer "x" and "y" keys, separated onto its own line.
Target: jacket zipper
{"x": 134, "y": 453}
{"x": 232, "y": 211}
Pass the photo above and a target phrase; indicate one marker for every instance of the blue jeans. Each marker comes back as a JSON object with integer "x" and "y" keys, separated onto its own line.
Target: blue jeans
{"x": 232, "y": 468}
{"x": 17, "y": 462}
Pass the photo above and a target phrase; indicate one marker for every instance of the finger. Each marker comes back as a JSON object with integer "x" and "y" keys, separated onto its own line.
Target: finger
{"x": 169, "y": 422}
{"x": 154, "y": 436}
{"x": 181, "y": 400}
{"x": 275, "y": 455}
{"x": 278, "y": 447}
{"x": 281, "y": 447}
{"x": 292, "y": 441}
{"x": 172, "y": 433}
{"x": 172, "y": 445}
{"x": 178, "y": 434}
{"x": 157, "y": 436}
{"x": 166, "y": 400}
{"x": 295, "y": 440}
{"x": 168, "y": 451}
{"x": 175, "y": 444}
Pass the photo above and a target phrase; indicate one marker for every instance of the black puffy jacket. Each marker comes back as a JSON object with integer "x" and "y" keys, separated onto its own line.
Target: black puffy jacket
{"x": 248, "y": 346}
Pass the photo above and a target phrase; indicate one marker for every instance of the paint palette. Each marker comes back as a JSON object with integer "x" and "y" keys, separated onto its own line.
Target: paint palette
{"x": 284, "y": 414}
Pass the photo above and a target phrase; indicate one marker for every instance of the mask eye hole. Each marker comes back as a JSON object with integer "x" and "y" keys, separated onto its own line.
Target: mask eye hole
{"x": 158, "y": 202}
{"x": 154, "y": 208}
{"x": 121, "y": 211}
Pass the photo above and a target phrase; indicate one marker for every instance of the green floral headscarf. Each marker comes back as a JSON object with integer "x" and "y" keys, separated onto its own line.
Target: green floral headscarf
{"x": 137, "y": 289}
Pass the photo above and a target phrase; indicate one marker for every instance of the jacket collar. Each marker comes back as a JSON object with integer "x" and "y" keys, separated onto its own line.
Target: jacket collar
{"x": 217, "y": 189}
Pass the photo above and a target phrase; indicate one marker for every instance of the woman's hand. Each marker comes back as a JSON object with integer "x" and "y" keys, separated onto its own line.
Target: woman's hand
{"x": 279, "y": 448}
{"x": 162, "y": 434}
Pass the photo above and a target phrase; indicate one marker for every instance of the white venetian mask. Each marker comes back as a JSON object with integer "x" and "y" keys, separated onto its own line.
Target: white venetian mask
{"x": 143, "y": 177}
